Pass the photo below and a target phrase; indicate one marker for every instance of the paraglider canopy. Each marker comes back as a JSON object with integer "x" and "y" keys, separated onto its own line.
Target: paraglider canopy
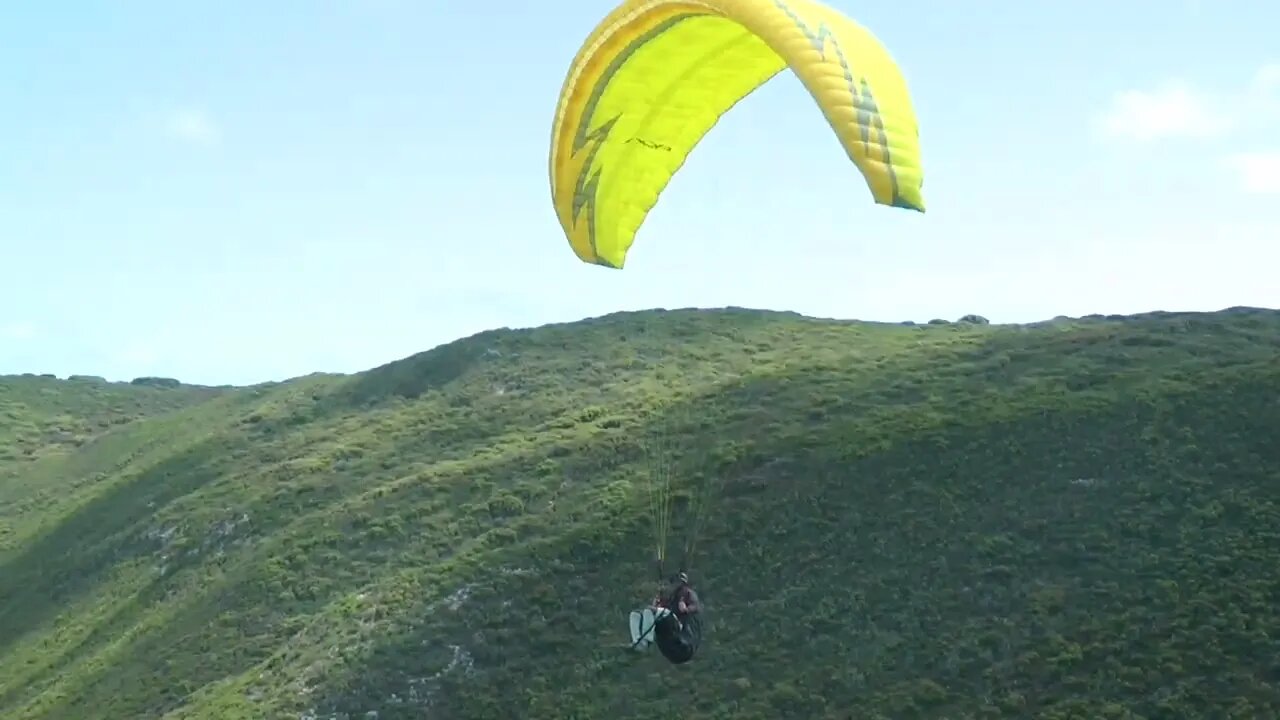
{"x": 655, "y": 75}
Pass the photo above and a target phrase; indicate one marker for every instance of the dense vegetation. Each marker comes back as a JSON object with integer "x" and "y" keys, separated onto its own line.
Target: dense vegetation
{"x": 1077, "y": 519}
{"x": 42, "y": 416}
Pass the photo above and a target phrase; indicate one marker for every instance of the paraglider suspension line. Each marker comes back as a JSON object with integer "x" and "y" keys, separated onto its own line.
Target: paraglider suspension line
{"x": 662, "y": 469}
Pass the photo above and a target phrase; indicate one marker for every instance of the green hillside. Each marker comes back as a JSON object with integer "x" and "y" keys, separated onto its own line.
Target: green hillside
{"x": 1076, "y": 519}
{"x": 40, "y": 414}
{"x": 44, "y": 417}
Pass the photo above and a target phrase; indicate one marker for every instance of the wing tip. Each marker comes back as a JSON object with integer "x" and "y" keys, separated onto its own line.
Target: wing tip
{"x": 908, "y": 204}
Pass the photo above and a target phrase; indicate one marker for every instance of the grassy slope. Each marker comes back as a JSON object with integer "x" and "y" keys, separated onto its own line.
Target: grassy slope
{"x": 42, "y": 417}
{"x": 1074, "y": 520}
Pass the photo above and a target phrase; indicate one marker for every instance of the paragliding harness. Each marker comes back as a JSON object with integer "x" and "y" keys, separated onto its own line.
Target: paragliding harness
{"x": 676, "y": 634}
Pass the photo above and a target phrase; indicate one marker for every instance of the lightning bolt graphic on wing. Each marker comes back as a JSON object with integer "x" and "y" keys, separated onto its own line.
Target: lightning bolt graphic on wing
{"x": 865, "y": 103}
{"x": 588, "y": 182}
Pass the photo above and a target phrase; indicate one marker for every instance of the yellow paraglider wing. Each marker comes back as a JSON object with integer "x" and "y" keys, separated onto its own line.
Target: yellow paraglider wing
{"x": 655, "y": 75}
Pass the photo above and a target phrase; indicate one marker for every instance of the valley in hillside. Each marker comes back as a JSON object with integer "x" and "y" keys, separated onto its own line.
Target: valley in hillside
{"x": 1074, "y": 519}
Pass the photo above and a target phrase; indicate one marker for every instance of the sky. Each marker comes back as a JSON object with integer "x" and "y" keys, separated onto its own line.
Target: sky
{"x": 236, "y": 192}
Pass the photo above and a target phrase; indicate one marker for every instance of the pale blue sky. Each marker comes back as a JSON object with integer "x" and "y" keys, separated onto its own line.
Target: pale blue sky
{"x": 233, "y": 191}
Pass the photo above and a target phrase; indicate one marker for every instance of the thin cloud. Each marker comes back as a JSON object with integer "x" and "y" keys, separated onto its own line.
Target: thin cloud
{"x": 18, "y": 331}
{"x": 194, "y": 126}
{"x": 1179, "y": 109}
{"x": 1171, "y": 111}
{"x": 1258, "y": 172}
{"x": 1267, "y": 82}
{"x": 137, "y": 355}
